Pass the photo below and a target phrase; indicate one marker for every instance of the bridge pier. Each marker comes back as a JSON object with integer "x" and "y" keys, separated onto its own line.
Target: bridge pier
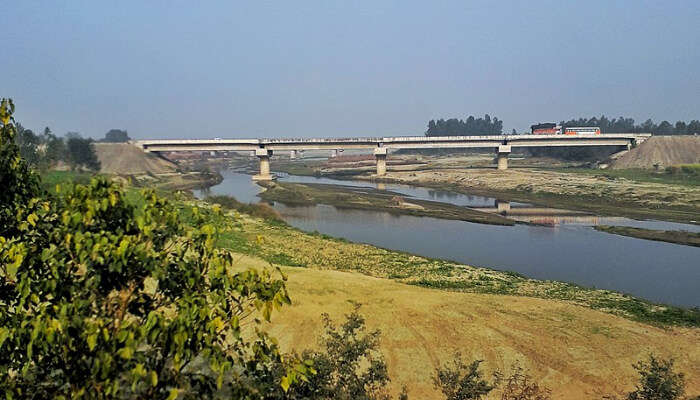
{"x": 502, "y": 206}
{"x": 264, "y": 157}
{"x": 293, "y": 155}
{"x": 380, "y": 155}
{"x": 502, "y": 156}
{"x": 334, "y": 153}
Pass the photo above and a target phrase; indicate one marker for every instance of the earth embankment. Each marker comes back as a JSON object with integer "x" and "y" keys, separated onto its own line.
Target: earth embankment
{"x": 662, "y": 151}
{"x": 127, "y": 159}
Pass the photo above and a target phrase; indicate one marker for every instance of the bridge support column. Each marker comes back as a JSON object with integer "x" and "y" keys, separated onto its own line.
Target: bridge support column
{"x": 380, "y": 155}
{"x": 502, "y": 156}
{"x": 334, "y": 153}
{"x": 502, "y": 206}
{"x": 264, "y": 157}
{"x": 293, "y": 155}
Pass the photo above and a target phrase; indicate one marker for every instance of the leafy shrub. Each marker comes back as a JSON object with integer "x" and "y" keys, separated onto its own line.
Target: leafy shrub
{"x": 350, "y": 367}
{"x": 460, "y": 381}
{"x": 100, "y": 298}
{"x": 657, "y": 381}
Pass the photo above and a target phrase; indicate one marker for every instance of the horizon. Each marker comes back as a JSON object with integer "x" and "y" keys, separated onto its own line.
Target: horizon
{"x": 328, "y": 70}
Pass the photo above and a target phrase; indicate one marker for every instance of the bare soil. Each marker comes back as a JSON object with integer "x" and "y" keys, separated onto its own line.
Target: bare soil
{"x": 663, "y": 151}
{"x": 127, "y": 159}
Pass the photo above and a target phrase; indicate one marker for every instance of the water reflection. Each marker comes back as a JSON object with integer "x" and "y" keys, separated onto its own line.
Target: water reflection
{"x": 572, "y": 251}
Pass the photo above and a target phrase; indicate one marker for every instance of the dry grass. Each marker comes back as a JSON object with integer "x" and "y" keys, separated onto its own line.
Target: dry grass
{"x": 577, "y": 352}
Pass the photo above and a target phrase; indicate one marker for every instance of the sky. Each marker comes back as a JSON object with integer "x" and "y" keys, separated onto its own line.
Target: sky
{"x": 190, "y": 69}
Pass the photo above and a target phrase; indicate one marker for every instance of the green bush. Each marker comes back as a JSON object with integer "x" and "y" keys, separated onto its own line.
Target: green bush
{"x": 100, "y": 298}
{"x": 259, "y": 210}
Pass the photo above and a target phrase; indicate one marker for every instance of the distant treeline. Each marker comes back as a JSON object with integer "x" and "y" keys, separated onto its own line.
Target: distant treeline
{"x": 46, "y": 150}
{"x": 628, "y": 125}
{"x": 469, "y": 126}
{"x": 489, "y": 126}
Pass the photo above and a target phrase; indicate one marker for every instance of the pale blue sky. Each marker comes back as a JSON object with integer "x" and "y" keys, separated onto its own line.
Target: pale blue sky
{"x": 319, "y": 68}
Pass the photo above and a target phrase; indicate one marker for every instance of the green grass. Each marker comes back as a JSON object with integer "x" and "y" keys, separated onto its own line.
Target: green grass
{"x": 50, "y": 179}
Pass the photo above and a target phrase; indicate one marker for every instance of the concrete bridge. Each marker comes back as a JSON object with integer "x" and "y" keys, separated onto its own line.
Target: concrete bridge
{"x": 502, "y": 145}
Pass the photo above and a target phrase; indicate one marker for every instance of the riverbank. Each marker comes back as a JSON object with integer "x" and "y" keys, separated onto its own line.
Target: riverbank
{"x": 677, "y": 237}
{"x": 620, "y": 193}
{"x": 360, "y": 198}
{"x": 579, "y": 342}
{"x": 281, "y": 244}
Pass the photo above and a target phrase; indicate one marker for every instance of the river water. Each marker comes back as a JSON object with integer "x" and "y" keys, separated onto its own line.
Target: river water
{"x": 567, "y": 249}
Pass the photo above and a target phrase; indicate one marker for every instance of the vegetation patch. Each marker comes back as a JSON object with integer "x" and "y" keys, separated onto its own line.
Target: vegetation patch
{"x": 363, "y": 198}
{"x": 678, "y": 237}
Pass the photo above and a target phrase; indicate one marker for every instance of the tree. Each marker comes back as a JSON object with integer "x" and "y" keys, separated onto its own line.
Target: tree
{"x": 56, "y": 149}
{"x": 28, "y": 143}
{"x": 461, "y": 381}
{"x": 116, "y": 136}
{"x": 81, "y": 153}
{"x": 19, "y": 184}
{"x": 101, "y": 298}
{"x": 657, "y": 381}
{"x": 470, "y": 126}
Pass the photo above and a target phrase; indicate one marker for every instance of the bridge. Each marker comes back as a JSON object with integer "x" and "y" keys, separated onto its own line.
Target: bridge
{"x": 502, "y": 145}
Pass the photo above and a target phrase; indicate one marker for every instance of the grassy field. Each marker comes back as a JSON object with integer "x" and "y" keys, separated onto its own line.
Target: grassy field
{"x": 577, "y": 352}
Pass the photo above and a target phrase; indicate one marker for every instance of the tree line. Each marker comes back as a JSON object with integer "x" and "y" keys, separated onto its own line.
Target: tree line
{"x": 628, "y": 125}
{"x": 47, "y": 150}
{"x": 469, "y": 126}
{"x": 488, "y": 126}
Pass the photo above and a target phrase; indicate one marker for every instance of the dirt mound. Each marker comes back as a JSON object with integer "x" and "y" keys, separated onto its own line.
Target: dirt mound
{"x": 661, "y": 150}
{"x": 128, "y": 159}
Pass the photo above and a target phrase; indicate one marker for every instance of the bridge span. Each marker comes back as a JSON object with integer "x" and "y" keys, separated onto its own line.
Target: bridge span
{"x": 502, "y": 145}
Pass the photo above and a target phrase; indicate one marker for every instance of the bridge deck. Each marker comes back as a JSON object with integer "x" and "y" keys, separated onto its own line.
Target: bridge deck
{"x": 400, "y": 142}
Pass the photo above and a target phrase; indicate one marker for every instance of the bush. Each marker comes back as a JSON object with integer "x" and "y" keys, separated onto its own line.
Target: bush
{"x": 259, "y": 210}
{"x": 657, "y": 381}
{"x": 100, "y": 298}
{"x": 519, "y": 386}
{"x": 351, "y": 367}
{"x": 461, "y": 381}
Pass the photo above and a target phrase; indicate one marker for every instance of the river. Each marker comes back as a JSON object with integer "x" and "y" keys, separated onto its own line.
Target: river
{"x": 568, "y": 249}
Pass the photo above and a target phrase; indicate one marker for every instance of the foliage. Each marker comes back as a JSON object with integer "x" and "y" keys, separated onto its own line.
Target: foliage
{"x": 103, "y": 299}
{"x": 689, "y": 170}
{"x": 350, "y": 367}
{"x": 28, "y": 143}
{"x": 628, "y": 125}
{"x": 657, "y": 381}
{"x": 260, "y": 210}
{"x": 116, "y": 136}
{"x": 19, "y": 184}
{"x": 469, "y": 126}
{"x": 460, "y": 381}
{"x": 81, "y": 153}
{"x": 519, "y": 386}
